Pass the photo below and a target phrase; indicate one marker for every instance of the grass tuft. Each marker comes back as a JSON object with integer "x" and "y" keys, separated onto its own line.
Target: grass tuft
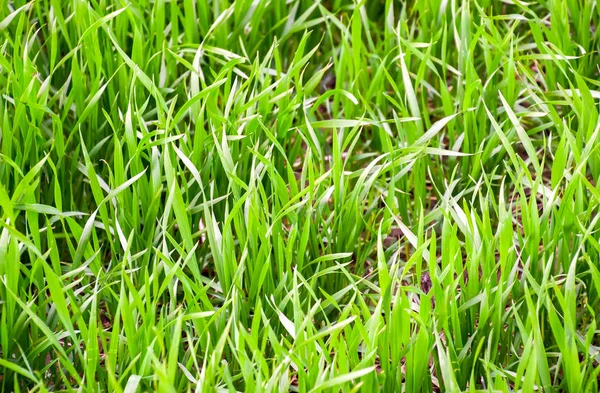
{"x": 299, "y": 196}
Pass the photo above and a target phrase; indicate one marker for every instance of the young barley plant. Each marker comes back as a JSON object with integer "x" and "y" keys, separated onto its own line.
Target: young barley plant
{"x": 299, "y": 196}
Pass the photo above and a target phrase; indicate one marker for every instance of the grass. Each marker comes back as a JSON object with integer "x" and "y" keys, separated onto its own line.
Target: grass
{"x": 274, "y": 196}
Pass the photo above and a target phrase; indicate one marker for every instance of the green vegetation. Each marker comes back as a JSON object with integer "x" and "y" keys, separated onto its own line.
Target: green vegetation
{"x": 299, "y": 196}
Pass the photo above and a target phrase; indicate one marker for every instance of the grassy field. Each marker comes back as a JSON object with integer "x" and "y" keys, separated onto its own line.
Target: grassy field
{"x": 299, "y": 196}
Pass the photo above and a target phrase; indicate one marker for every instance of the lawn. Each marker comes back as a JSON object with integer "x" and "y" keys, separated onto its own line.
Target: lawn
{"x": 299, "y": 196}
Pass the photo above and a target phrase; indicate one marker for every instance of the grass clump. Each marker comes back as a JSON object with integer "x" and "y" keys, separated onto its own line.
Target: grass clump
{"x": 274, "y": 196}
